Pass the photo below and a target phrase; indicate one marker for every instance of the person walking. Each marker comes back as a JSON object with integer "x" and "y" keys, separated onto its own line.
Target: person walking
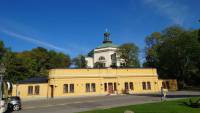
{"x": 163, "y": 94}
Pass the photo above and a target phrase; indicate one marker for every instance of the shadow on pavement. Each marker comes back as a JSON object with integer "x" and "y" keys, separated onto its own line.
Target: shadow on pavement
{"x": 8, "y": 111}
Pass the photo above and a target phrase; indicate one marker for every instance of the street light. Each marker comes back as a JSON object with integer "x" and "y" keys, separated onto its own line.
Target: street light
{"x": 2, "y": 71}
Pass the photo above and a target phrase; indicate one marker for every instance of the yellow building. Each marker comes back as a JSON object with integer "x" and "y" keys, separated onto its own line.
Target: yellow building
{"x": 85, "y": 82}
{"x": 31, "y": 88}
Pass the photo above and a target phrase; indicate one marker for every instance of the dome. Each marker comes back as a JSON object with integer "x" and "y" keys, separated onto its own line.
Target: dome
{"x": 105, "y": 45}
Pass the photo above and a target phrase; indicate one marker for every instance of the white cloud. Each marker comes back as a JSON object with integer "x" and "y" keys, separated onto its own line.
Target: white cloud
{"x": 32, "y": 40}
{"x": 173, "y": 10}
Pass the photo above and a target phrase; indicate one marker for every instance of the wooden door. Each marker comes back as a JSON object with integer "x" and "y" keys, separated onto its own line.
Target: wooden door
{"x": 110, "y": 88}
{"x": 126, "y": 87}
{"x": 52, "y": 91}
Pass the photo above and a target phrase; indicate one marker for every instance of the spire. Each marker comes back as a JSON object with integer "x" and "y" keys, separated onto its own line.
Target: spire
{"x": 107, "y": 37}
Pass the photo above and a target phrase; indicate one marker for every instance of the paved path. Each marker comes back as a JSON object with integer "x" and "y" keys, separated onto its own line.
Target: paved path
{"x": 71, "y": 105}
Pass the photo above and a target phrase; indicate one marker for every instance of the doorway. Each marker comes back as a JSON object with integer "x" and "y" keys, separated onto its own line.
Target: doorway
{"x": 52, "y": 91}
{"x": 110, "y": 88}
{"x": 126, "y": 87}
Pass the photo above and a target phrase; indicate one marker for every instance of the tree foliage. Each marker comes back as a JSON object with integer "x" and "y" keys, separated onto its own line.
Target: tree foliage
{"x": 36, "y": 62}
{"x": 2, "y": 50}
{"x": 129, "y": 53}
{"x": 99, "y": 65}
{"x": 80, "y": 61}
{"x": 175, "y": 52}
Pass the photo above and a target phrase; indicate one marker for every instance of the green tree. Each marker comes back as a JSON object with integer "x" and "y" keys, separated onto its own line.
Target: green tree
{"x": 36, "y": 62}
{"x": 18, "y": 68}
{"x": 129, "y": 53}
{"x": 176, "y": 54}
{"x": 155, "y": 40}
{"x": 58, "y": 60}
{"x": 41, "y": 56}
{"x": 152, "y": 44}
{"x": 2, "y": 50}
{"x": 179, "y": 58}
{"x": 46, "y": 60}
{"x": 80, "y": 61}
{"x": 99, "y": 65}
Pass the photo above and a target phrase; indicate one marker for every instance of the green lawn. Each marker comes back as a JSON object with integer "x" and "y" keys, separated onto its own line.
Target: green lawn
{"x": 176, "y": 106}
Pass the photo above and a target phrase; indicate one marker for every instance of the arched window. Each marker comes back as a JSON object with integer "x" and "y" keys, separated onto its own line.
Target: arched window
{"x": 114, "y": 56}
{"x": 101, "y": 58}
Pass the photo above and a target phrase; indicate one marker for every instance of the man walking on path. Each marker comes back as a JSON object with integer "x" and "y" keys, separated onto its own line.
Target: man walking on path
{"x": 163, "y": 94}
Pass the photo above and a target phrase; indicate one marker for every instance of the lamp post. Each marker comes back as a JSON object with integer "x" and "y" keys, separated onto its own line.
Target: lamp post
{"x": 2, "y": 71}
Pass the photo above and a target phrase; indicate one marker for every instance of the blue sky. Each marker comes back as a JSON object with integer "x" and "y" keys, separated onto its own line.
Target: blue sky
{"x": 77, "y": 26}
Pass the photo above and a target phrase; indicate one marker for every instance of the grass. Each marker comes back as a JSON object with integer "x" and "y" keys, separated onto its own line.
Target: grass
{"x": 175, "y": 106}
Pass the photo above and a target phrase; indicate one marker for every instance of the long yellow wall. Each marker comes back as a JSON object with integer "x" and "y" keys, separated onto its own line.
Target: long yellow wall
{"x": 80, "y": 89}
{"x": 79, "y": 77}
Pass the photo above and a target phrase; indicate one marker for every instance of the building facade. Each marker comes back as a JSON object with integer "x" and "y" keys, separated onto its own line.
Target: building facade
{"x": 91, "y": 82}
{"x": 104, "y": 55}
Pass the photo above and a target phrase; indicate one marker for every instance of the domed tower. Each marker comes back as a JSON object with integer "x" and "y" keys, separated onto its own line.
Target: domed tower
{"x": 105, "y": 54}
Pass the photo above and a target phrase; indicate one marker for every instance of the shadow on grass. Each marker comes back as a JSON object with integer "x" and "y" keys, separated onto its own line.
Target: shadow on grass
{"x": 169, "y": 96}
{"x": 191, "y": 103}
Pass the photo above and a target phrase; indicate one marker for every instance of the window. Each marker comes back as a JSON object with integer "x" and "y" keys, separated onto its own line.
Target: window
{"x": 90, "y": 87}
{"x": 131, "y": 86}
{"x": 71, "y": 88}
{"x": 93, "y": 87}
{"x": 105, "y": 86}
{"x": 65, "y": 88}
{"x": 87, "y": 87}
{"x": 148, "y": 85}
{"x": 101, "y": 58}
{"x": 163, "y": 85}
{"x": 30, "y": 90}
{"x": 113, "y": 56}
{"x": 103, "y": 64}
{"x": 167, "y": 84}
{"x": 126, "y": 85}
{"x": 37, "y": 90}
{"x": 68, "y": 88}
{"x": 144, "y": 85}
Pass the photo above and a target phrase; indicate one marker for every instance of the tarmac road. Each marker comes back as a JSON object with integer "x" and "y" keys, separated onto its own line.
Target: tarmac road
{"x": 71, "y": 105}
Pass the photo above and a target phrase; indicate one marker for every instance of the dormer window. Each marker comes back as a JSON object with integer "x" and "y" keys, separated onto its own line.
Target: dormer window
{"x": 101, "y": 58}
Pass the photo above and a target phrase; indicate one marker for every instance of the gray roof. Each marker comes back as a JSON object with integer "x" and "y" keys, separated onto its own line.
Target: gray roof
{"x": 34, "y": 80}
